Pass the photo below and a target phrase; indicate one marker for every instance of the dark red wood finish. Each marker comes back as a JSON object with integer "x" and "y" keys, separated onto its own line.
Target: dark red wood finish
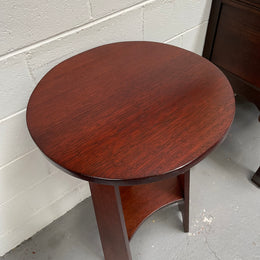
{"x": 130, "y": 112}
{"x": 237, "y": 44}
{"x": 256, "y": 178}
{"x": 111, "y": 223}
{"x": 140, "y": 201}
{"x": 120, "y": 210}
{"x": 185, "y": 205}
{"x": 233, "y": 44}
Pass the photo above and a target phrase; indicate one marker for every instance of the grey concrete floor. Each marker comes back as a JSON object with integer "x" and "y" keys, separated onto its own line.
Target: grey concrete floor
{"x": 224, "y": 212}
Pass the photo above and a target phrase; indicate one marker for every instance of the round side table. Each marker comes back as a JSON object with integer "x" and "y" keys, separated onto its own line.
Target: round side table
{"x": 131, "y": 118}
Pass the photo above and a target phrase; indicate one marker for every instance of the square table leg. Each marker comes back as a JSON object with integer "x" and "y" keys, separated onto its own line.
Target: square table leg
{"x": 110, "y": 220}
{"x": 185, "y": 205}
{"x": 256, "y": 177}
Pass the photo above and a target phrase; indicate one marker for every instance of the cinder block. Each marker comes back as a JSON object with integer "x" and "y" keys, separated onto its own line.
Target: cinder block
{"x": 84, "y": 190}
{"x": 176, "y": 41}
{"x": 102, "y": 8}
{"x": 163, "y": 19}
{"x": 33, "y": 192}
{"x": 193, "y": 40}
{"x": 26, "y": 22}
{"x": 16, "y": 85}
{"x": 122, "y": 27}
{"x": 35, "y": 199}
{"x": 195, "y": 12}
{"x": 20, "y": 175}
{"x": 42, "y": 218}
{"x": 83, "y": 185}
{"x": 15, "y": 139}
{"x": 54, "y": 187}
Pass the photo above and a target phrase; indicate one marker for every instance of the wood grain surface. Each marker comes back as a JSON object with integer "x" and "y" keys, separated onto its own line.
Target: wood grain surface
{"x": 233, "y": 44}
{"x": 184, "y": 207}
{"x": 237, "y": 41}
{"x": 130, "y": 112}
{"x": 110, "y": 220}
{"x": 140, "y": 201}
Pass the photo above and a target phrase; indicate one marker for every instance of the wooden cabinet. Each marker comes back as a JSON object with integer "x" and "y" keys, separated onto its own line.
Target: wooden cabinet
{"x": 233, "y": 44}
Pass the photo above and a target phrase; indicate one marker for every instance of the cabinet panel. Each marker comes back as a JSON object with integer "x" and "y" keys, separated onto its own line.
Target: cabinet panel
{"x": 237, "y": 41}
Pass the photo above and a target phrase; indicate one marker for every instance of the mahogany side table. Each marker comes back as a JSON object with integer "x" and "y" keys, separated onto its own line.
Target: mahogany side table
{"x": 131, "y": 118}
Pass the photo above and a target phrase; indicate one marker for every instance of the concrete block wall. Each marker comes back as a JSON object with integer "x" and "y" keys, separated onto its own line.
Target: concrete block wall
{"x": 34, "y": 37}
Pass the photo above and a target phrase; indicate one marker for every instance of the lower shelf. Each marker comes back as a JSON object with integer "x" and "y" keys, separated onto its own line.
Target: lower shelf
{"x": 140, "y": 201}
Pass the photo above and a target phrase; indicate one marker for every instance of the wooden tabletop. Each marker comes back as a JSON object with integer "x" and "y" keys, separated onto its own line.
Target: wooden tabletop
{"x": 130, "y": 112}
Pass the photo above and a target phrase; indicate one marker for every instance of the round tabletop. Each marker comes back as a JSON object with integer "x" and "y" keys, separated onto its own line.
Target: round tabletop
{"x": 130, "y": 112}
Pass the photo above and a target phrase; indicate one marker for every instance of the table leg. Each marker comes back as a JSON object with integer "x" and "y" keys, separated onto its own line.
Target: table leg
{"x": 185, "y": 205}
{"x": 110, "y": 220}
{"x": 256, "y": 177}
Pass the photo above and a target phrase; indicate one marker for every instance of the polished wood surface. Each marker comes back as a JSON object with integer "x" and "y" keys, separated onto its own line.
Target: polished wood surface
{"x": 140, "y": 201}
{"x": 237, "y": 44}
{"x": 233, "y": 44}
{"x": 256, "y": 178}
{"x": 110, "y": 220}
{"x": 130, "y": 112}
{"x": 120, "y": 210}
{"x": 184, "y": 206}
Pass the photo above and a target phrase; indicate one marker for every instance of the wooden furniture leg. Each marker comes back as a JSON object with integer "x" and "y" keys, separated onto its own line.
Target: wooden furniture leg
{"x": 110, "y": 220}
{"x": 256, "y": 177}
{"x": 185, "y": 205}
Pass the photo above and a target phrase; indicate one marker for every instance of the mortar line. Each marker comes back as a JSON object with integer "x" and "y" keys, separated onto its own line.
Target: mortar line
{"x": 28, "y": 188}
{"x": 18, "y": 158}
{"x": 190, "y": 29}
{"x": 13, "y": 115}
{"x": 90, "y": 9}
{"x": 39, "y": 210}
{"x": 73, "y": 30}
{"x": 142, "y": 22}
{"x": 29, "y": 68}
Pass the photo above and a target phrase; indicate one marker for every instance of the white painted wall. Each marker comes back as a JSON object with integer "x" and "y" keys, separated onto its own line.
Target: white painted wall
{"x": 34, "y": 37}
